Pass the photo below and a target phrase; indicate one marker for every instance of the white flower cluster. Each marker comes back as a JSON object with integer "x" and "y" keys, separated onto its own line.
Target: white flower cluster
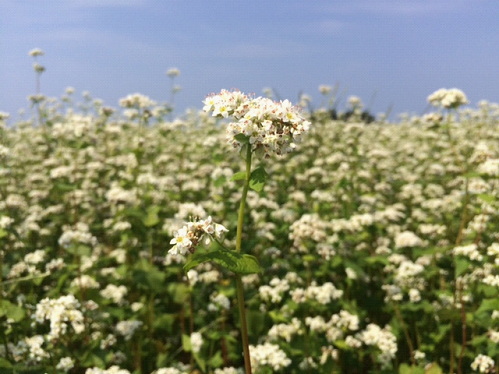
{"x": 273, "y": 292}
{"x": 183, "y": 369}
{"x": 407, "y": 239}
{"x": 218, "y": 302}
{"x": 112, "y": 370}
{"x": 136, "y": 101}
{"x": 308, "y": 228}
{"x": 470, "y": 251}
{"x": 286, "y": 330}
{"x": 34, "y": 347}
{"x": 128, "y": 328}
{"x": 323, "y": 294}
{"x": 65, "y": 364}
{"x": 196, "y": 342}
{"x": 78, "y": 234}
{"x": 61, "y": 312}
{"x": 187, "y": 238}
{"x": 228, "y": 370}
{"x": 483, "y": 364}
{"x": 272, "y": 127}
{"x": 383, "y": 339}
{"x": 268, "y": 355}
{"x": 336, "y": 327}
{"x": 448, "y": 98}
{"x": 115, "y": 293}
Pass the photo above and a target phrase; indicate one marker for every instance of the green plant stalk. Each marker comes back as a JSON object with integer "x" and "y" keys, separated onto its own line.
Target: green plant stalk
{"x": 239, "y": 282}
{"x": 398, "y": 314}
{"x": 1, "y": 275}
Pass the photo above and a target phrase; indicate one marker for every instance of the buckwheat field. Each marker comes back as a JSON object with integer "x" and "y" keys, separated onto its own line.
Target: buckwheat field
{"x": 255, "y": 235}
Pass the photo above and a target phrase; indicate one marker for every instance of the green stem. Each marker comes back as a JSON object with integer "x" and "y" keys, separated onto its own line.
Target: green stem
{"x": 239, "y": 283}
{"x": 242, "y": 205}
{"x": 398, "y": 314}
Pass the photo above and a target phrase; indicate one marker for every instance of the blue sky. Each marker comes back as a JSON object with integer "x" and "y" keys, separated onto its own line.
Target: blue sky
{"x": 389, "y": 53}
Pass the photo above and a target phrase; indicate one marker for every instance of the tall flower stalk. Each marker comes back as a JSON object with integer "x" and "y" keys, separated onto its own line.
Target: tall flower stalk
{"x": 39, "y": 69}
{"x": 261, "y": 127}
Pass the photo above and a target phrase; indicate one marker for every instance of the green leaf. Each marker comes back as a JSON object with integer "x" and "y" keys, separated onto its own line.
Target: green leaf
{"x": 151, "y": 219}
{"x": 230, "y": 260}
{"x": 200, "y": 361}
{"x": 216, "y": 360}
{"x": 3, "y": 233}
{"x": 341, "y": 344}
{"x": 406, "y": 369}
{"x": 12, "y": 311}
{"x": 489, "y": 199}
{"x": 258, "y": 178}
{"x": 241, "y": 138}
{"x": 488, "y": 305}
{"x": 238, "y": 176}
{"x": 78, "y": 250}
{"x": 5, "y": 363}
{"x": 147, "y": 276}
{"x": 462, "y": 265}
{"x": 186, "y": 343}
{"x": 180, "y": 292}
{"x": 433, "y": 368}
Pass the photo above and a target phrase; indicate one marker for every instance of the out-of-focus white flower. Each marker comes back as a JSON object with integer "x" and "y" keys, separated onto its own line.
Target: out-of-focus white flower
{"x": 128, "y": 328}
{"x": 324, "y": 89}
{"x": 482, "y": 364}
{"x": 407, "y": 239}
{"x": 268, "y": 355}
{"x": 65, "y": 364}
{"x": 35, "y": 52}
{"x": 137, "y": 101}
{"x": 196, "y": 341}
{"x": 470, "y": 251}
{"x": 112, "y": 370}
{"x": 355, "y": 102}
{"x": 173, "y": 72}
{"x": 448, "y": 98}
{"x": 61, "y": 313}
{"x": 115, "y": 293}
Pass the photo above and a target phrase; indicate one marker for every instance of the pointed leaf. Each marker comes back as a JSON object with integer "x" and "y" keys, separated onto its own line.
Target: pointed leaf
{"x": 241, "y": 138}
{"x": 238, "y": 176}
{"x": 186, "y": 343}
{"x": 230, "y": 260}
{"x": 4, "y": 363}
{"x": 258, "y": 179}
{"x": 151, "y": 219}
{"x": 433, "y": 368}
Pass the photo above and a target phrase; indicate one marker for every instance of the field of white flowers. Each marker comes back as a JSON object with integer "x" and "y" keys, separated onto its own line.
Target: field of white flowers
{"x": 376, "y": 247}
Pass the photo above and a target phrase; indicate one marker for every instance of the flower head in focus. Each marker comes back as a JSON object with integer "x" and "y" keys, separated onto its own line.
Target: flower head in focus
{"x": 268, "y": 126}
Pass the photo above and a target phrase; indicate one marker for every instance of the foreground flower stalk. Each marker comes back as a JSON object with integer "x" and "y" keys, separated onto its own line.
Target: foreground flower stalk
{"x": 239, "y": 283}
{"x": 263, "y": 127}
